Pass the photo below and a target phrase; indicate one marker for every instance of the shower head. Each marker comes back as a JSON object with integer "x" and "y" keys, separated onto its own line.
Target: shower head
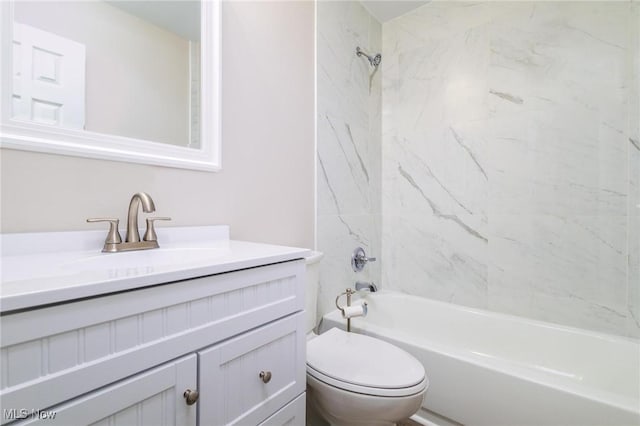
{"x": 374, "y": 61}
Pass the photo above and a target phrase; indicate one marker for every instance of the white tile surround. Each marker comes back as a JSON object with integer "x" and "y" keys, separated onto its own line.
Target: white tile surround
{"x": 349, "y": 146}
{"x": 508, "y": 172}
{"x": 633, "y": 201}
{"x": 511, "y": 159}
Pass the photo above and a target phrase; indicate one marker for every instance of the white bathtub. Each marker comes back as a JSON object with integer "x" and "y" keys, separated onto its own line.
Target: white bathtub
{"x": 493, "y": 369}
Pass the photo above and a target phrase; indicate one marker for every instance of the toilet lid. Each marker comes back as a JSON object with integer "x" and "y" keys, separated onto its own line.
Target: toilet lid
{"x": 342, "y": 359}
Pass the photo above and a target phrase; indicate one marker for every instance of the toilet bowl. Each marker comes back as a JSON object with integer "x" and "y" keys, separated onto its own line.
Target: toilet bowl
{"x": 358, "y": 380}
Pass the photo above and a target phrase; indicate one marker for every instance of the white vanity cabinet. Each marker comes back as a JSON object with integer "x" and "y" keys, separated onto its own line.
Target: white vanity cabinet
{"x": 127, "y": 358}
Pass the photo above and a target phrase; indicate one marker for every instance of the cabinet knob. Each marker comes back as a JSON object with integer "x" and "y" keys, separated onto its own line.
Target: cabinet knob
{"x": 191, "y": 396}
{"x": 265, "y": 376}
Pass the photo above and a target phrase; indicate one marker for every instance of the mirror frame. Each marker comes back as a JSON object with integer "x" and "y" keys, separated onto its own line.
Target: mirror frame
{"x": 21, "y": 135}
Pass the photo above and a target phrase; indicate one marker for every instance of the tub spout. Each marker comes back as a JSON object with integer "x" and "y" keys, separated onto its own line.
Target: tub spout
{"x": 365, "y": 286}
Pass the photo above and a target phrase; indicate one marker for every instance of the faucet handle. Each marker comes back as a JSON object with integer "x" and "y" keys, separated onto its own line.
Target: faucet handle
{"x": 150, "y": 235}
{"x": 359, "y": 259}
{"x": 113, "y": 237}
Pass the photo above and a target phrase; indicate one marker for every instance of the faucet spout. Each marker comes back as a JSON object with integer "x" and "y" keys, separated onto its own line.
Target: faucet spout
{"x": 365, "y": 286}
{"x": 133, "y": 235}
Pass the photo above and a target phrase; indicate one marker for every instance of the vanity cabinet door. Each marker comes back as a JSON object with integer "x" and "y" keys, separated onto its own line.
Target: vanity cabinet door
{"x": 155, "y": 397}
{"x": 246, "y": 379}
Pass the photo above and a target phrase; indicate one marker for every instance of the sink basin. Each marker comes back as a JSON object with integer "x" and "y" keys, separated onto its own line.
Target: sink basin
{"x": 146, "y": 258}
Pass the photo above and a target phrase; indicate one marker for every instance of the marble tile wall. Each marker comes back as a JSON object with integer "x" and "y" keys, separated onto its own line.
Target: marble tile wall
{"x": 634, "y": 176}
{"x": 349, "y": 146}
{"x": 511, "y": 159}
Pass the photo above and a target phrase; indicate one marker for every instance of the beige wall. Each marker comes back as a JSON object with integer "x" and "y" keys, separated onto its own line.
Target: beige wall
{"x": 265, "y": 190}
{"x": 146, "y": 99}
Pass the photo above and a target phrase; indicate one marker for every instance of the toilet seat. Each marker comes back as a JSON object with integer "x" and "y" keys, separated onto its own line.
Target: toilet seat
{"x": 363, "y": 364}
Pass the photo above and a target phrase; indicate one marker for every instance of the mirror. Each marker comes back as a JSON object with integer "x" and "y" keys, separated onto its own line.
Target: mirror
{"x": 135, "y": 81}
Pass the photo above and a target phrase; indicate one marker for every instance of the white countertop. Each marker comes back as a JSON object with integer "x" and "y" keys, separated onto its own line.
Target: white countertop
{"x": 44, "y": 268}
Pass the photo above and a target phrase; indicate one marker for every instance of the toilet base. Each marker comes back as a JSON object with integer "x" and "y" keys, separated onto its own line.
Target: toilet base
{"x": 313, "y": 418}
{"x": 318, "y": 417}
{"x": 342, "y": 408}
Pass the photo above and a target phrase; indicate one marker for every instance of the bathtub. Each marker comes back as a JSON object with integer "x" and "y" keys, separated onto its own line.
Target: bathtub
{"x": 493, "y": 369}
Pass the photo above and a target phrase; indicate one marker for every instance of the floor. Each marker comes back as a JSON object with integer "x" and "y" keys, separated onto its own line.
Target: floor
{"x": 316, "y": 422}
{"x": 408, "y": 422}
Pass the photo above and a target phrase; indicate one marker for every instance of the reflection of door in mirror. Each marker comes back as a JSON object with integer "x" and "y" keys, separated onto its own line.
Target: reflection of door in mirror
{"x": 39, "y": 93}
{"x": 140, "y": 78}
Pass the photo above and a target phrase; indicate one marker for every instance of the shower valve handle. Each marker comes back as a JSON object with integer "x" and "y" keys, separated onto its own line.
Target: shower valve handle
{"x": 359, "y": 259}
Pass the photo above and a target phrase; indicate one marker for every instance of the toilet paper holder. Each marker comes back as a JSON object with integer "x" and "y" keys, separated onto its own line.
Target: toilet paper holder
{"x": 345, "y": 309}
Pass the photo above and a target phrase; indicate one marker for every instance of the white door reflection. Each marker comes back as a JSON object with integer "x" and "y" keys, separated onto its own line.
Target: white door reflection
{"x": 48, "y": 78}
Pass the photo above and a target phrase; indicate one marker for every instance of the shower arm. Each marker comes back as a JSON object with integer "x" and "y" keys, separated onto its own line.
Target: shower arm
{"x": 360, "y": 52}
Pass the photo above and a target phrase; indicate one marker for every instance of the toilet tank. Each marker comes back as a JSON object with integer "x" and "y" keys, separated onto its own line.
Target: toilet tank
{"x": 311, "y": 289}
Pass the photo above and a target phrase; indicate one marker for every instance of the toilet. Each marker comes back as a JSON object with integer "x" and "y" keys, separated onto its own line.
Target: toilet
{"x": 353, "y": 379}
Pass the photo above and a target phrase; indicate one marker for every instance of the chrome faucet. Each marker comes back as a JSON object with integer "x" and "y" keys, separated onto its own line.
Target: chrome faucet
{"x": 114, "y": 242}
{"x": 362, "y": 285}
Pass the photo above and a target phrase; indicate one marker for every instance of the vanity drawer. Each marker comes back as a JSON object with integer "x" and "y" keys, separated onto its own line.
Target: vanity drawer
{"x": 293, "y": 414}
{"x": 232, "y": 391}
{"x": 79, "y": 346}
